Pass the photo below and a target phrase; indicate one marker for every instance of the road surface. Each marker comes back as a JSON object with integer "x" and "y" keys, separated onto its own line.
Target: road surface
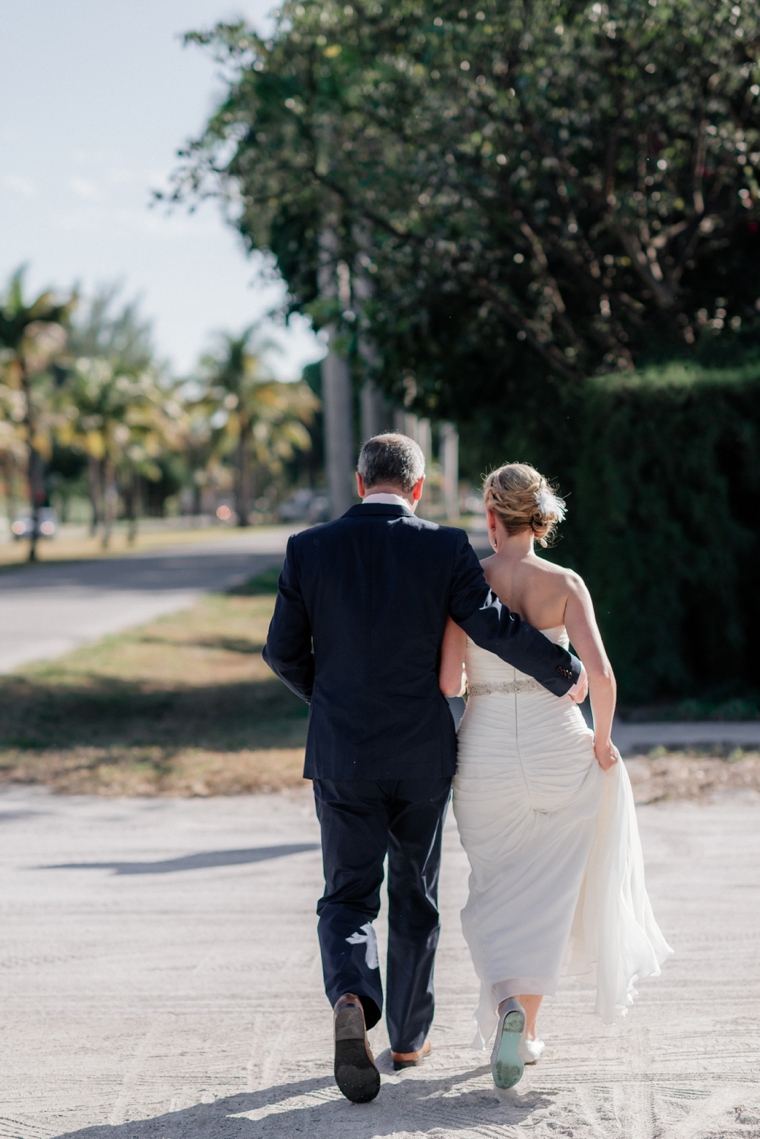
{"x": 160, "y": 980}
{"x": 46, "y": 610}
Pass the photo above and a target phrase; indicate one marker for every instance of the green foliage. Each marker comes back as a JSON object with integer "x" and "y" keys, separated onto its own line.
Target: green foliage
{"x": 22, "y": 321}
{"x": 662, "y": 471}
{"x": 32, "y": 336}
{"x": 85, "y": 404}
{"x": 243, "y": 414}
{"x": 262, "y": 585}
{"x": 517, "y": 185}
{"x": 118, "y": 415}
{"x": 169, "y": 478}
{"x": 122, "y": 335}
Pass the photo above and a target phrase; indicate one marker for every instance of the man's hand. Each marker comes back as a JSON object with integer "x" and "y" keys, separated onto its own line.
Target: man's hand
{"x": 579, "y": 691}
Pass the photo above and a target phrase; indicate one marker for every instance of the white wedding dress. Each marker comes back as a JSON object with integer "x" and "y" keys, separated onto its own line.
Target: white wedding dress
{"x": 557, "y": 882}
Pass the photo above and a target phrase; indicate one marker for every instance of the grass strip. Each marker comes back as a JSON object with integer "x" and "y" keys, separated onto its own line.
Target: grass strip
{"x": 183, "y": 705}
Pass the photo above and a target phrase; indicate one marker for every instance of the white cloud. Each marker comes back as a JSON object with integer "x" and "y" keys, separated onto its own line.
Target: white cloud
{"x": 99, "y": 158}
{"x": 84, "y": 189}
{"x": 83, "y": 221}
{"x": 158, "y": 223}
{"x": 155, "y": 223}
{"x": 22, "y": 185}
{"x": 119, "y": 174}
{"x": 160, "y": 180}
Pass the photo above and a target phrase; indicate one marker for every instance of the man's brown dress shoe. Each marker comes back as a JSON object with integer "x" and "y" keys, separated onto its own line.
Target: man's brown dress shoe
{"x": 355, "y": 1071}
{"x": 411, "y": 1059}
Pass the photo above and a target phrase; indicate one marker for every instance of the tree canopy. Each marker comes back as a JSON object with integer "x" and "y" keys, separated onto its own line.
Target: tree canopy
{"x": 516, "y": 187}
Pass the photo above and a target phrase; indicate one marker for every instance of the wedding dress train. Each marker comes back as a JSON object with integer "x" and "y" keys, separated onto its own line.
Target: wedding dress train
{"x": 557, "y": 870}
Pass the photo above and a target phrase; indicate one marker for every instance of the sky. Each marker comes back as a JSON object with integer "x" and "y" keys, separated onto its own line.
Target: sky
{"x": 96, "y": 96}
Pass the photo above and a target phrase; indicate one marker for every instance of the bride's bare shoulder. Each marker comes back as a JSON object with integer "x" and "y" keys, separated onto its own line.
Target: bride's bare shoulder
{"x": 541, "y": 570}
{"x": 551, "y": 581}
{"x": 532, "y": 580}
{"x": 552, "y": 571}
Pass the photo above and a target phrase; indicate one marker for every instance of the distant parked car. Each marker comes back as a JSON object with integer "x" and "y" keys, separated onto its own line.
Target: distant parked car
{"x": 305, "y": 505}
{"x": 48, "y": 524}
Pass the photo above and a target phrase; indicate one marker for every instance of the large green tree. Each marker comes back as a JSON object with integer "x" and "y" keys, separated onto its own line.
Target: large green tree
{"x": 518, "y": 188}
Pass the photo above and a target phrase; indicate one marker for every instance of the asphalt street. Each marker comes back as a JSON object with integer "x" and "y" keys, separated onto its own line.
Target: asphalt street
{"x": 160, "y": 979}
{"x": 46, "y": 610}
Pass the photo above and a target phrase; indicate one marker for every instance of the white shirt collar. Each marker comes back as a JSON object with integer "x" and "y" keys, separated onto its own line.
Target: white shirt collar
{"x": 387, "y": 499}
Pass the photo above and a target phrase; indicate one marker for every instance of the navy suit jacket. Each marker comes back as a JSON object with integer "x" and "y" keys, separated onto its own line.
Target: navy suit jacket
{"x": 357, "y": 630}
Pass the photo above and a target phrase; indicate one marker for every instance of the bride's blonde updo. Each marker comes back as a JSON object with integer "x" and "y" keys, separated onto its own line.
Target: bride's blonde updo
{"x": 522, "y": 499}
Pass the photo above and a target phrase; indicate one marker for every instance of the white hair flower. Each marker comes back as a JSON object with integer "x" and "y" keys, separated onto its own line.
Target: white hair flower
{"x": 550, "y": 505}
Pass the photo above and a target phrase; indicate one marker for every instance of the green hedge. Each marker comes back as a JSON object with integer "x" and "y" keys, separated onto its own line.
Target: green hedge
{"x": 662, "y": 473}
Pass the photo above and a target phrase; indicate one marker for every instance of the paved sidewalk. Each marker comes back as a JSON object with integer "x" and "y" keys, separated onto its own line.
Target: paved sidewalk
{"x": 632, "y": 738}
{"x": 160, "y": 980}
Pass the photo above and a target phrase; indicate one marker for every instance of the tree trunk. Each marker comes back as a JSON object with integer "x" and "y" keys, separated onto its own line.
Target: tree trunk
{"x": 110, "y": 495}
{"x": 374, "y": 410}
{"x": 449, "y": 458}
{"x": 35, "y": 468}
{"x": 337, "y": 402}
{"x": 133, "y": 506}
{"x": 7, "y": 468}
{"x": 241, "y": 479}
{"x": 337, "y": 386}
{"x": 93, "y": 484}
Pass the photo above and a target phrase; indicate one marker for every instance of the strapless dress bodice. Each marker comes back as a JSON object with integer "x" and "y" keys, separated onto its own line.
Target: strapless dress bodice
{"x": 487, "y": 673}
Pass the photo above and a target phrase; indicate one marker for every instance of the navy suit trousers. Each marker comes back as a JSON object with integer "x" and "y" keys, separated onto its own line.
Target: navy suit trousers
{"x": 363, "y": 820}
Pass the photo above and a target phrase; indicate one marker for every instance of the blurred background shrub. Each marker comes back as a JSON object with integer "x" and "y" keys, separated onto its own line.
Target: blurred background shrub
{"x": 662, "y": 472}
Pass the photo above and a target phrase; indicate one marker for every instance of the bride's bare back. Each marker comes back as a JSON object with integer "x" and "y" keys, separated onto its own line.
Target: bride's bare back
{"x": 535, "y": 589}
{"x": 542, "y": 593}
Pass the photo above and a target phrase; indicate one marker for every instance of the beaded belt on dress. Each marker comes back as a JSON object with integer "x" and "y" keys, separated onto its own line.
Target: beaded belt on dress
{"x": 507, "y": 686}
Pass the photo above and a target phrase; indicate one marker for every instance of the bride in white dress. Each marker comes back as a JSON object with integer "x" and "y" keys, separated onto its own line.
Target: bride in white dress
{"x": 543, "y": 804}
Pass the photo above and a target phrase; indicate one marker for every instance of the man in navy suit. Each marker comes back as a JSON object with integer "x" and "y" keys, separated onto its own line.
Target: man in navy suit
{"x": 357, "y": 628}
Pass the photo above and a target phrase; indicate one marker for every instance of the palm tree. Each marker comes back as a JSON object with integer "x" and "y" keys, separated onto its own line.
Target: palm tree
{"x": 259, "y": 420}
{"x": 123, "y": 422}
{"x": 115, "y": 331}
{"x": 119, "y": 335}
{"x": 32, "y": 336}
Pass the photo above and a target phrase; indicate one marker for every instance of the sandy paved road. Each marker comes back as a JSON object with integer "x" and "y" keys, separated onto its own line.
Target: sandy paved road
{"x": 46, "y": 610}
{"x": 159, "y": 979}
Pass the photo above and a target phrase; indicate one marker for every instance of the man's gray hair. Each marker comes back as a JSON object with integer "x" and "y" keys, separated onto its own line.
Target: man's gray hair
{"x": 394, "y": 459}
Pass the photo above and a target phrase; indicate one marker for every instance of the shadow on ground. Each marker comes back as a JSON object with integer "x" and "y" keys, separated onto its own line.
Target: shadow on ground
{"x": 107, "y": 711}
{"x": 245, "y": 645}
{"x": 316, "y": 1108}
{"x": 202, "y": 861}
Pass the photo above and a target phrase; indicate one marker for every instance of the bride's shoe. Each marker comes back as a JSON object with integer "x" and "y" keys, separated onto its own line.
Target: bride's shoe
{"x": 531, "y": 1051}
{"x": 506, "y": 1062}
